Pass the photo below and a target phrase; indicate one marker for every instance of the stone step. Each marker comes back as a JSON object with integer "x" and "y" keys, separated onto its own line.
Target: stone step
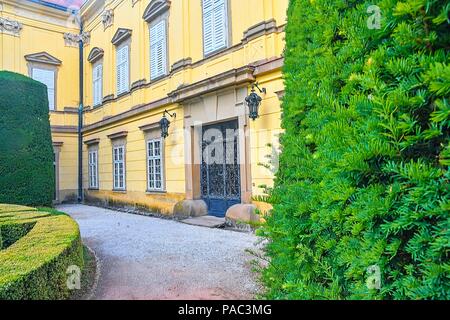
{"x": 205, "y": 221}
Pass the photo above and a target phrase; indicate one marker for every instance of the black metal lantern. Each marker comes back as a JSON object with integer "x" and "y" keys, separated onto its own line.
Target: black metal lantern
{"x": 164, "y": 124}
{"x": 254, "y": 101}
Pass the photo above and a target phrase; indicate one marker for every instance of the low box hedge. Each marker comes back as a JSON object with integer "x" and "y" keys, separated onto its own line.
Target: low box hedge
{"x": 36, "y": 248}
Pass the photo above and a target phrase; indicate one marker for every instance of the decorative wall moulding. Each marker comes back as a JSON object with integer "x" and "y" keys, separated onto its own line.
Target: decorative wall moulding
{"x": 43, "y": 57}
{"x": 121, "y": 35}
{"x": 155, "y": 8}
{"x": 73, "y": 39}
{"x": 95, "y": 54}
{"x": 133, "y": 2}
{"x": 260, "y": 29}
{"x": 107, "y": 19}
{"x": 11, "y": 27}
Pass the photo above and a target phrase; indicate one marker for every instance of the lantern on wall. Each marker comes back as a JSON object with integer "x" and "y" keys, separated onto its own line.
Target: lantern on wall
{"x": 253, "y": 101}
{"x": 164, "y": 124}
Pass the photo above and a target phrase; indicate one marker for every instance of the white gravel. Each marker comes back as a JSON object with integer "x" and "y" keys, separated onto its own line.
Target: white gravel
{"x": 150, "y": 258}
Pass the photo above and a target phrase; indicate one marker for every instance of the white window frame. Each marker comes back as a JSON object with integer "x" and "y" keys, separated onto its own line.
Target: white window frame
{"x": 152, "y": 159}
{"x": 93, "y": 169}
{"x": 210, "y": 10}
{"x": 158, "y": 50}
{"x": 97, "y": 84}
{"x": 119, "y": 178}
{"x": 51, "y": 92}
{"x": 123, "y": 85}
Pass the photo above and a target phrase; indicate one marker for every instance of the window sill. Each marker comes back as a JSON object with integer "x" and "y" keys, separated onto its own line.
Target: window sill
{"x": 215, "y": 52}
{"x": 123, "y": 94}
{"x": 158, "y": 78}
{"x": 93, "y": 189}
{"x": 119, "y": 191}
{"x": 156, "y": 192}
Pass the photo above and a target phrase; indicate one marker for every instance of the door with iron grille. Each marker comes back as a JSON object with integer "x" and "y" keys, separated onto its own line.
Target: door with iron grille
{"x": 220, "y": 169}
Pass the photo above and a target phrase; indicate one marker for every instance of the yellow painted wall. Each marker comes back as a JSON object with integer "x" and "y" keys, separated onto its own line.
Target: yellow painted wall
{"x": 136, "y": 174}
{"x": 68, "y": 165}
{"x": 41, "y": 33}
{"x": 185, "y": 41}
{"x": 42, "y": 30}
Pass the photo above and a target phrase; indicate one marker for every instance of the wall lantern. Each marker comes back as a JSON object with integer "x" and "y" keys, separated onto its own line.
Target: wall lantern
{"x": 164, "y": 124}
{"x": 254, "y": 101}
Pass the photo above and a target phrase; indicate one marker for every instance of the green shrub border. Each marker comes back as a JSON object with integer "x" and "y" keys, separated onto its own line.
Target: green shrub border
{"x": 34, "y": 263}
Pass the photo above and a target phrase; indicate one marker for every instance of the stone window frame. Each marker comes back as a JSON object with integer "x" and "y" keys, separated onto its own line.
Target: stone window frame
{"x": 95, "y": 64}
{"x": 93, "y": 149}
{"x": 152, "y": 132}
{"x": 57, "y": 154}
{"x": 126, "y": 43}
{"x": 118, "y": 140}
{"x": 122, "y": 38}
{"x": 45, "y": 61}
{"x": 95, "y": 58}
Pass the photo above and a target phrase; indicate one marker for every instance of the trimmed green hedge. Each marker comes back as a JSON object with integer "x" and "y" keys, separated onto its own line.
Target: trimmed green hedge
{"x": 363, "y": 182}
{"x": 26, "y": 151}
{"x": 38, "y": 247}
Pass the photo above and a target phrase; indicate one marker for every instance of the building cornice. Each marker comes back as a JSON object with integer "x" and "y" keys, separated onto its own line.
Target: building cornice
{"x": 31, "y": 10}
{"x": 64, "y": 129}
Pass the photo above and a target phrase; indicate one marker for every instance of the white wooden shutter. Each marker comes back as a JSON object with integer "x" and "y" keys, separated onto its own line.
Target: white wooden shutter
{"x": 215, "y": 25}
{"x": 122, "y": 70}
{"x": 208, "y": 21}
{"x": 47, "y": 77}
{"x": 158, "y": 51}
{"x": 97, "y": 84}
{"x": 220, "y": 25}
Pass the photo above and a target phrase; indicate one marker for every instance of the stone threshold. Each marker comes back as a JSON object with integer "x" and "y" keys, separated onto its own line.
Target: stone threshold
{"x": 205, "y": 221}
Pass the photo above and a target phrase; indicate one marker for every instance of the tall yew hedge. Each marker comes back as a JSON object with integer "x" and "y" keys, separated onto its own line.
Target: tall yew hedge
{"x": 363, "y": 181}
{"x": 26, "y": 152}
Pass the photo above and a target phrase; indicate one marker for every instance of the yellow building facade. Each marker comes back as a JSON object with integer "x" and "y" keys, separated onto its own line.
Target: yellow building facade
{"x": 166, "y": 86}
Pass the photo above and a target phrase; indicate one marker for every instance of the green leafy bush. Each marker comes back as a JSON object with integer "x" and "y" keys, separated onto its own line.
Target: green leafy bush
{"x": 363, "y": 181}
{"x": 26, "y": 152}
{"x": 40, "y": 247}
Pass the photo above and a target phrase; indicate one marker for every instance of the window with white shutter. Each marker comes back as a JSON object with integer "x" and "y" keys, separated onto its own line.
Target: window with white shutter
{"x": 122, "y": 69}
{"x": 97, "y": 84}
{"x": 158, "y": 50}
{"x": 215, "y": 25}
{"x": 155, "y": 165}
{"x": 93, "y": 169}
{"x": 46, "y": 77}
{"x": 119, "y": 167}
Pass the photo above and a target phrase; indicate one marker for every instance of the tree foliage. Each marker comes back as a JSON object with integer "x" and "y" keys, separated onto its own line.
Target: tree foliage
{"x": 26, "y": 152}
{"x": 363, "y": 178}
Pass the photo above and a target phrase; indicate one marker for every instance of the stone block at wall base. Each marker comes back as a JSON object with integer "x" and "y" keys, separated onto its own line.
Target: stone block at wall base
{"x": 190, "y": 208}
{"x": 245, "y": 213}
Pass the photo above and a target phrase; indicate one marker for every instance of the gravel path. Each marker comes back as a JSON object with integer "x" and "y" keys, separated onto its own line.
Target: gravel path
{"x": 149, "y": 258}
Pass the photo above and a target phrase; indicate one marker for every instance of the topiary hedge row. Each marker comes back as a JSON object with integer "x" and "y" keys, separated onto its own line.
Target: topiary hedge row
{"x": 26, "y": 151}
{"x": 362, "y": 196}
{"x": 38, "y": 247}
